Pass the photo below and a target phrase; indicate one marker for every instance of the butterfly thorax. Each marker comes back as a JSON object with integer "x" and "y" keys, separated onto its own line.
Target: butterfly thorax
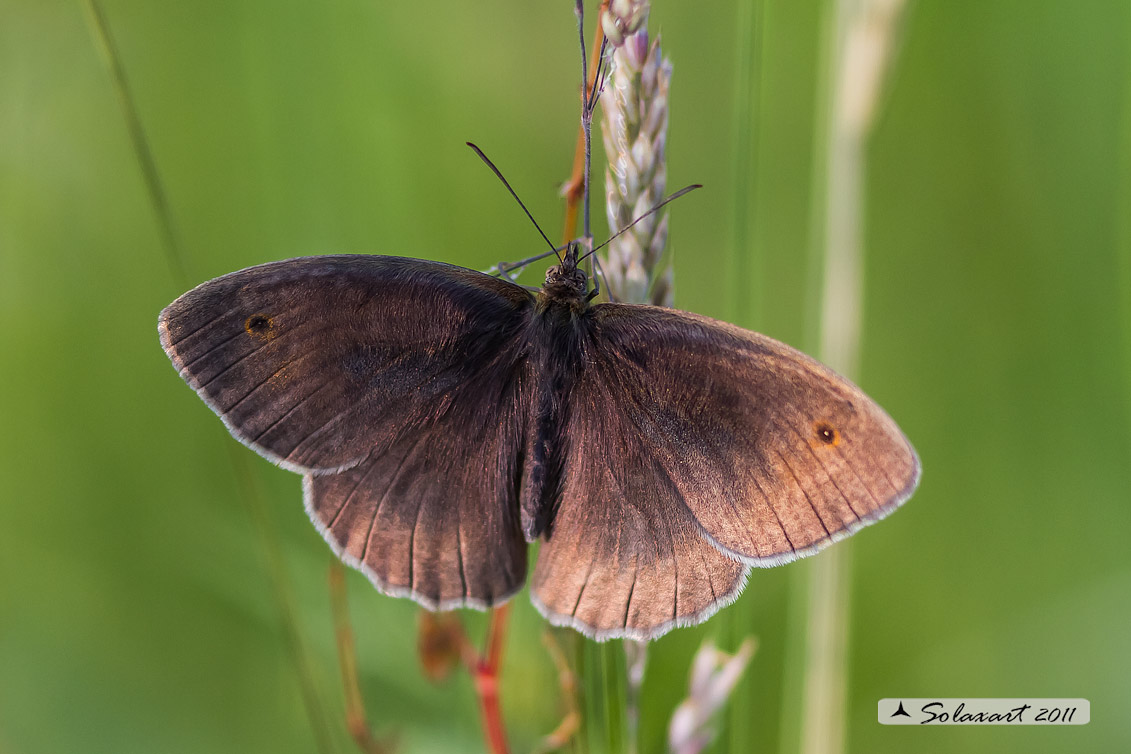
{"x": 566, "y": 285}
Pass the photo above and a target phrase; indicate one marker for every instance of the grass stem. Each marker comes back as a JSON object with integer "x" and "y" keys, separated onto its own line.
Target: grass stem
{"x": 858, "y": 53}
{"x": 174, "y": 255}
{"x": 745, "y": 274}
{"x": 357, "y": 722}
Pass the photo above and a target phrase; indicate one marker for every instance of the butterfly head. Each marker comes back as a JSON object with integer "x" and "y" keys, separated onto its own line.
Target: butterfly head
{"x": 566, "y": 282}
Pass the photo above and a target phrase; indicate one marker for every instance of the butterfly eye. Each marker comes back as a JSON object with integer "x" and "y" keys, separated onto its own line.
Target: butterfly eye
{"x": 826, "y": 434}
{"x": 258, "y": 325}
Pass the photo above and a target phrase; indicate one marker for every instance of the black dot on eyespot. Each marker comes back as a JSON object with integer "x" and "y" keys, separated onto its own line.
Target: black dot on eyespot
{"x": 827, "y": 434}
{"x": 257, "y": 324}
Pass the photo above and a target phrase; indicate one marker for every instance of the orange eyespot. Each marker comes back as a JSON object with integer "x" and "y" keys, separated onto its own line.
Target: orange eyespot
{"x": 826, "y": 434}
{"x": 259, "y": 326}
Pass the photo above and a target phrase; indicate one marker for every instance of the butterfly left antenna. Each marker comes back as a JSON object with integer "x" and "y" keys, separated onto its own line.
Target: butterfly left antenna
{"x": 666, "y": 200}
{"x": 506, "y": 268}
{"x": 499, "y": 174}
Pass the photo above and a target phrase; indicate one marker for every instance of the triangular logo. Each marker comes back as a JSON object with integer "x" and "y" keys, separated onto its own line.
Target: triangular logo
{"x": 900, "y": 712}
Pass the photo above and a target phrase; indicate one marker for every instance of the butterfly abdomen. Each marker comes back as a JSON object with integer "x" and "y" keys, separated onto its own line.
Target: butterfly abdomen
{"x": 556, "y": 337}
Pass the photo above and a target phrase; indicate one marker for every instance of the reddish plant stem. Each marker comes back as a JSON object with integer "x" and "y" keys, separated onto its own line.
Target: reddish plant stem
{"x": 484, "y": 668}
{"x": 484, "y": 671}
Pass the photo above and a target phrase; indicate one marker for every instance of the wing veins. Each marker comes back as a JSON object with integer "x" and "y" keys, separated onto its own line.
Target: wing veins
{"x": 459, "y": 553}
{"x": 658, "y": 425}
{"x": 289, "y": 411}
{"x": 804, "y": 492}
{"x": 710, "y": 581}
{"x": 770, "y": 505}
{"x": 211, "y": 350}
{"x": 270, "y": 377}
{"x": 671, "y": 539}
{"x": 374, "y": 419}
{"x": 384, "y": 496}
{"x": 896, "y": 489}
{"x": 249, "y": 354}
{"x": 683, "y": 498}
{"x": 585, "y": 583}
{"x": 205, "y": 326}
{"x": 412, "y": 548}
{"x": 346, "y": 502}
{"x": 631, "y": 588}
{"x": 258, "y": 385}
{"x": 859, "y": 478}
{"x": 825, "y": 468}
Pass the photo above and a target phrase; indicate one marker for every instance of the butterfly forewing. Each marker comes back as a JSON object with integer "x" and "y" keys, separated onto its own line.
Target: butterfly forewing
{"x": 316, "y": 362}
{"x": 773, "y": 454}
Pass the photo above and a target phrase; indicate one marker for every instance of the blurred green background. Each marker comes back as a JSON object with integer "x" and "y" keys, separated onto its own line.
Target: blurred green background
{"x": 136, "y": 609}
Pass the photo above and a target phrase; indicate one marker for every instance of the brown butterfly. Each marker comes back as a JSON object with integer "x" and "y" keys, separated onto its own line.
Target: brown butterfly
{"x": 443, "y": 418}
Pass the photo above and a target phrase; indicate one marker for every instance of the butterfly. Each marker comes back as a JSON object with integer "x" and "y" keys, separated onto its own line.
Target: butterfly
{"x": 443, "y": 419}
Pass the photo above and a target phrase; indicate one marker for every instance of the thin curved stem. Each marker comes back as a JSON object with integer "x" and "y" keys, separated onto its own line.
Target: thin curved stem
{"x": 575, "y": 187}
{"x": 356, "y": 721}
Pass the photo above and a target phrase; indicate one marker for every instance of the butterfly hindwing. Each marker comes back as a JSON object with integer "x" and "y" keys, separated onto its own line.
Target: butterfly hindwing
{"x": 434, "y": 516}
{"x": 623, "y": 556}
